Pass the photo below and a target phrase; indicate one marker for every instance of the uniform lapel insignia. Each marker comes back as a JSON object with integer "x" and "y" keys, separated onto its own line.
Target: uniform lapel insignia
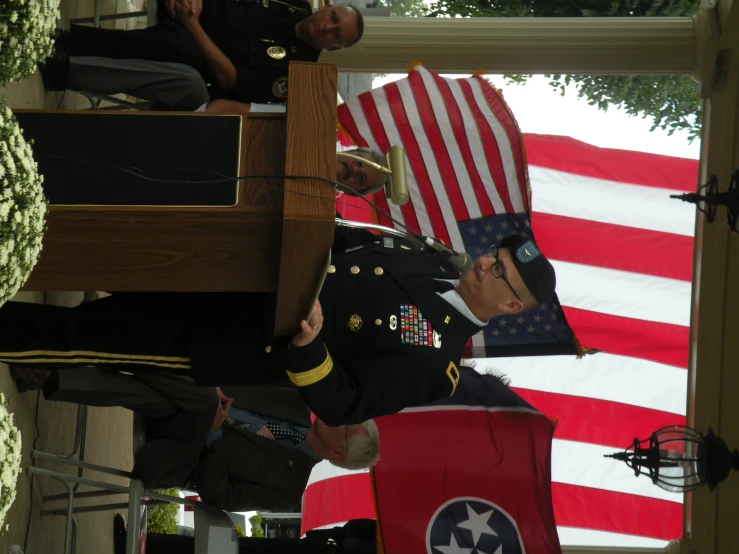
{"x": 354, "y": 323}
{"x": 294, "y": 49}
{"x": 416, "y": 329}
{"x": 447, "y": 319}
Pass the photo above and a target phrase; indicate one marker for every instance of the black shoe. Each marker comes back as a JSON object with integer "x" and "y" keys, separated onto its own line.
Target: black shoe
{"x": 55, "y": 74}
{"x": 119, "y": 534}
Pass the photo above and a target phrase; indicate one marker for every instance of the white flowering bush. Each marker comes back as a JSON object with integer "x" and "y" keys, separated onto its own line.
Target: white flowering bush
{"x": 10, "y": 460}
{"x": 22, "y": 207}
{"x": 26, "y": 36}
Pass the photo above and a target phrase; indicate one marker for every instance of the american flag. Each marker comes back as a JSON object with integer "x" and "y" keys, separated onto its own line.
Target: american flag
{"x": 467, "y": 181}
{"x": 266, "y": 433}
{"x": 623, "y": 253}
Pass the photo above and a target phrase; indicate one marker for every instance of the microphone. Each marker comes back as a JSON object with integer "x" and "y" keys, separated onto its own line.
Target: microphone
{"x": 461, "y": 261}
{"x": 396, "y": 184}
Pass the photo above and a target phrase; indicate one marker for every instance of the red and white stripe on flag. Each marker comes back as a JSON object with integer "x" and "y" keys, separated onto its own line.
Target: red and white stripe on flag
{"x": 623, "y": 252}
{"x": 452, "y": 175}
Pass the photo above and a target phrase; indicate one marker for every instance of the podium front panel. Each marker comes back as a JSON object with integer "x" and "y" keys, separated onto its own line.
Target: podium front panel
{"x": 234, "y": 247}
{"x": 134, "y": 159}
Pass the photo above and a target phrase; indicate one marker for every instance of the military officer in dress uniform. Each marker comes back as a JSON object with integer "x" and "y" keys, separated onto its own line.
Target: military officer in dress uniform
{"x": 242, "y": 48}
{"x": 388, "y": 333}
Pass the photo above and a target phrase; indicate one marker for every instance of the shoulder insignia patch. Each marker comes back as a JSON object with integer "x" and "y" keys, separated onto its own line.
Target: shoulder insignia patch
{"x": 279, "y": 87}
{"x": 527, "y": 252}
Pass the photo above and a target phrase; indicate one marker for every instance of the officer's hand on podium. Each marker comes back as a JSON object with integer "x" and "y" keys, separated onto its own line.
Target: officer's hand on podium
{"x": 311, "y": 328}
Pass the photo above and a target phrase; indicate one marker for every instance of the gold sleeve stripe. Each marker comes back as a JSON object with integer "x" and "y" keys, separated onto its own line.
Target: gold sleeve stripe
{"x": 306, "y": 378}
{"x": 453, "y": 373}
{"x": 77, "y": 353}
{"x": 95, "y": 361}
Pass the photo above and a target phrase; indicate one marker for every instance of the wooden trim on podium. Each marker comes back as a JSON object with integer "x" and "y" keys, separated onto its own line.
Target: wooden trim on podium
{"x": 262, "y": 134}
{"x": 165, "y": 248}
{"x": 309, "y": 205}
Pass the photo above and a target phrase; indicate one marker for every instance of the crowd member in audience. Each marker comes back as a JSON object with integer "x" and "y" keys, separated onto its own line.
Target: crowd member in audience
{"x": 398, "y": 318}
{"x": 251, "y": 450}
{"x": 241, "y": 48}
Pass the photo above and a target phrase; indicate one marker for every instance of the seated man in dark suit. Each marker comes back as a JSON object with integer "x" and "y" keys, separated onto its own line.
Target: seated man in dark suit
{"x": 253, "y": 450}
{"x": 241, "y": 48}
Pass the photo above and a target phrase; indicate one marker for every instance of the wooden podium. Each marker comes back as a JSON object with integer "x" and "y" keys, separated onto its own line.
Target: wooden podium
{"x": 276, "y": 237}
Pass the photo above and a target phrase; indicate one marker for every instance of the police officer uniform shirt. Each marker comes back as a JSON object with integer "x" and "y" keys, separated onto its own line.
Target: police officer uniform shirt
{"x": 258, "y": 36}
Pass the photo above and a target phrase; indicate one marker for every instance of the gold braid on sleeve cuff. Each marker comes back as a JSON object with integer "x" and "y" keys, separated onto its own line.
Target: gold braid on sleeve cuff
{"x": 305, "y": 378}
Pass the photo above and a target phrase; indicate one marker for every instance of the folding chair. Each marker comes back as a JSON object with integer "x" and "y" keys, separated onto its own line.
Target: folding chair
{"x": 97, "y": 18}
{"x": 77, "y": 450}
{"x": 138, "y": 496}
{"x": 72, "y": 484}
{"x": 151, "y": 19}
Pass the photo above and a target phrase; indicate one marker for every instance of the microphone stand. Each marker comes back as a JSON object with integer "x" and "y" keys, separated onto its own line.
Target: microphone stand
{"x": 382, "y": 228}
{"x": 460, "y": 260}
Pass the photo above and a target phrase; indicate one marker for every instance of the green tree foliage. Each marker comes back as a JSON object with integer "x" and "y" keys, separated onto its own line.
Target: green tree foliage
{"x": 672, "y": 101}
{"x": 257, "y": 531}
{"x": 405, "y": 8}
{"x": 163, "y": 518}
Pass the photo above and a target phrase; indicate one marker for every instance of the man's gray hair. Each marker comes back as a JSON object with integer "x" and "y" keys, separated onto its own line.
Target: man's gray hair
{"x": 362, "y": 451}
{"x": 376, "y": 157}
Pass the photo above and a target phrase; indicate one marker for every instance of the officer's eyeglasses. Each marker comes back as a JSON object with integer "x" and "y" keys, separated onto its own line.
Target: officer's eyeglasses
{"x": 498, "y": 270}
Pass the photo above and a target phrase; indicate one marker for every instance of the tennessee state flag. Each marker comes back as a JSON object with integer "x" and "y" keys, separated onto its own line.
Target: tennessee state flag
{"x": 467, "y": 475}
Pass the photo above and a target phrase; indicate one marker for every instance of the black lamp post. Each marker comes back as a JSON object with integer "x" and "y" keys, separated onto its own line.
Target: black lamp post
{"x": 679, "y": 459}
{"x": 710, "y": 197}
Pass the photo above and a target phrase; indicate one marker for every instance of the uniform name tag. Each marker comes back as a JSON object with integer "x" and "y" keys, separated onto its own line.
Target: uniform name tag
{"x": 388, "y": 242}
{"x": 353, "y": 248}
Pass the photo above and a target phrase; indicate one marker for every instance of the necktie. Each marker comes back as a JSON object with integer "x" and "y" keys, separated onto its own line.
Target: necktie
{"x": 271, "y": 431}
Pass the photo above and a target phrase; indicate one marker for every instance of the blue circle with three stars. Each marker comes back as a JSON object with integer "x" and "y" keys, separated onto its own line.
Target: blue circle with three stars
{"x": 469, "y": 525}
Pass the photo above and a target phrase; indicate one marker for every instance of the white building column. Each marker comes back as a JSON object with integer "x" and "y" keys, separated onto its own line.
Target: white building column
{"x": 584, "y": 45}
